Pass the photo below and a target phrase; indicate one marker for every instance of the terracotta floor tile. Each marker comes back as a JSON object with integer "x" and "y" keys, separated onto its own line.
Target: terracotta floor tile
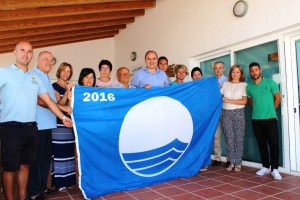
{"x": 159, "y": 186}
{"x": 249, "y": 195}
{"x": 288, "y": 195}
{"x": 227, "y": 179}
{"x": 210, "y": 183}
{"x": 126, "y": 197}
{"x": 269, "y": 198}
{"x": 245, "y": 184}
{"x": 261, "y": 180}
{"x": 242, "y": 175}
{"x": 190, "y": 187}
{"x": 150, "y": 195}
{"x": 141, "y": 190}
{"x": 115, "y": 195}
{"x": 227, "y": 197}
{"x": 228, "y": 188}
{"x": 282, "y": 185}
{"x": 292, "y": 180}
{"x": 264, "y": 189}
{"x": 209, "y": 193}
{"x": 186, "y": 196}
{"x": 212, "y": 175}
{"x": 216, "y": 183}
{"x": 178, "y": 182}
{"x": 172, "y": 191}
{"x": 296, "y": 190}
{"x": 197, "y": 178}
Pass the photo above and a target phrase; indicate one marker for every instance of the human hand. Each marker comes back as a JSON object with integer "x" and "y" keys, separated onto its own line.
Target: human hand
{"x": 67, "y": 121}
{"x": 225, "y": 99}
{"x": 148, "y": 86}
{"x": 69, "y": 86}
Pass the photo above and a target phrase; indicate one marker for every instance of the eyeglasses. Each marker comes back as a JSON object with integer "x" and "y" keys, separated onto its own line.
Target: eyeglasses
{"x": 105, "y": 68}
{"x": 52, "y": 61}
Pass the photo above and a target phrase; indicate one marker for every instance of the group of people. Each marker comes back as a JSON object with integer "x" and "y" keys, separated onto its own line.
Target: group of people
{"x": 264, "y": 97}
{"x": 35, "y": 119}
{"x": 28, "y": 114}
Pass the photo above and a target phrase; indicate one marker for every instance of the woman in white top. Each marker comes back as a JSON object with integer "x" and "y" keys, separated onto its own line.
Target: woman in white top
{"x": 233, "y": 116}
{"x": 104, "y": 81}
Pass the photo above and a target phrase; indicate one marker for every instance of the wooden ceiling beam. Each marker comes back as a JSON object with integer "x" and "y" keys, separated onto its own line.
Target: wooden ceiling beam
{"x": 106, "y": 30}
{"x": 24, "y": 24}
{"x": 63, "y": 28}
{"x": 61, "y": 41}
{"x": 36, "y": 13}
{"x": 17, "y": 4}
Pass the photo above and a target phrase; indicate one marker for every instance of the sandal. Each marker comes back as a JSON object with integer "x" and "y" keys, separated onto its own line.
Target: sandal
{"x": 230, "y": 168}
{"x": 238, "y": 168}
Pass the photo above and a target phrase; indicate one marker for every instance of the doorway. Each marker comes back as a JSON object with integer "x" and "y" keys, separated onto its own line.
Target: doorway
{"x": 293, "y": 61}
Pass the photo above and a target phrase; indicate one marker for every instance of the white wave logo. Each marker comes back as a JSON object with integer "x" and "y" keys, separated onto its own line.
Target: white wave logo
{"x": 154, "y": 135}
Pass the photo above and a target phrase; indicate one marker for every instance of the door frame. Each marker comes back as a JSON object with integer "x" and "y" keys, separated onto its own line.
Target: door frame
{"x": 293, "y": 100}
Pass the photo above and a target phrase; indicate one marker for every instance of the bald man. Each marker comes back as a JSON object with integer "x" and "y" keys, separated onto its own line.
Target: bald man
{"x": 19, "y": 90}
{"x": 123, "y": 76}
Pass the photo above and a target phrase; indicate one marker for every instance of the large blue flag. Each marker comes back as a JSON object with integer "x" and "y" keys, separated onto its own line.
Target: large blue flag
{"x": 132, "y": 138}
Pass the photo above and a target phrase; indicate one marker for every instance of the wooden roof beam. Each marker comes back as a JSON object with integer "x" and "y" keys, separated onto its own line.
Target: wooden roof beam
{"x": 107, "y": 30}
{"x": 17, "y": 4}
{"x": 62, "y": 28}
{"x": 60, "y": 41}
{"x": 24, "y": 24}
{"x": 36, "y": 13}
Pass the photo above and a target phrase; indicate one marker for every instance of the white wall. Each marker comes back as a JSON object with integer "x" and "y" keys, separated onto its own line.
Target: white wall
{"x": 181, "y": 29}
{"x": 79, "y": 55}
{"x": 178, "y": 29}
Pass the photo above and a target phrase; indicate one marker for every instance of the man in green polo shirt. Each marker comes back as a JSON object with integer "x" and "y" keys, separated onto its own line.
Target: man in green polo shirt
{"x": 264, "y": 97}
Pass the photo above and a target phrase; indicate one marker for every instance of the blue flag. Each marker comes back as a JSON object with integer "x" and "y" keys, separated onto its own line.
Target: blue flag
{"x": 132, "y": 138}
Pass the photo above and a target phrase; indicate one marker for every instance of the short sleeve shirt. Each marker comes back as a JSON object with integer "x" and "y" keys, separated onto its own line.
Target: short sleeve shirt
{"x": 45, "y": 118}
{"x": 143, "y": 77}
{"x": 233, "y": 91}
{"x": 18, "y": 94}
{"x": 262, "y": 95}
{"x": 110, "y": 84}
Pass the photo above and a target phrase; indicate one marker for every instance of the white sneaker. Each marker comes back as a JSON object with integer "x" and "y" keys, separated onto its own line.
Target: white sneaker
{"x": 276, "y": 175}
{"x": 263, "y": 171}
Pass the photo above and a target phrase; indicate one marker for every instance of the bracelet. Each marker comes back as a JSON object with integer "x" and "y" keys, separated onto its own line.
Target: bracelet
{"x": 64, "y": 117}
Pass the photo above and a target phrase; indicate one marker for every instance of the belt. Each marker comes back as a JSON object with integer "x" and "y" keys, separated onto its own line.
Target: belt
{"x": 13, "y": 123}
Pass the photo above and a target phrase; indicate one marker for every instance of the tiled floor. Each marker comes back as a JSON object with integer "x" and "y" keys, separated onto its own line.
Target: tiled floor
{"x": 216, "y": 183}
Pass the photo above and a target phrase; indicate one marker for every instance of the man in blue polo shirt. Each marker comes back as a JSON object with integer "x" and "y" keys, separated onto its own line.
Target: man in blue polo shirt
{"x": 46, "y": 121}
{"x": 264, "y": 97}
{"x": 150, "y": 76}
{"x": 19, "y": 90}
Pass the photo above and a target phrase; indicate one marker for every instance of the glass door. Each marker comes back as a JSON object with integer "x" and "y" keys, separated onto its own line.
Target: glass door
{"x": 295, "y": 131}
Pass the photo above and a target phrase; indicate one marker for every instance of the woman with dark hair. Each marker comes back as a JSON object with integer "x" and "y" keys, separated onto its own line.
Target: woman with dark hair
{"x": 233, "y": 116}
{"x": 196, "y": 73}
{"x": 87, "y": 77}
{"x": 105, "y": 81}
{"x": 63, "y": 140}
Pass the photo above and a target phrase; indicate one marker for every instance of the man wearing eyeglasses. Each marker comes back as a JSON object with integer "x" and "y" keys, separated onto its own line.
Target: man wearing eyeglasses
{"x": 19, "y": 90}
{"x": 46, "y": 121}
